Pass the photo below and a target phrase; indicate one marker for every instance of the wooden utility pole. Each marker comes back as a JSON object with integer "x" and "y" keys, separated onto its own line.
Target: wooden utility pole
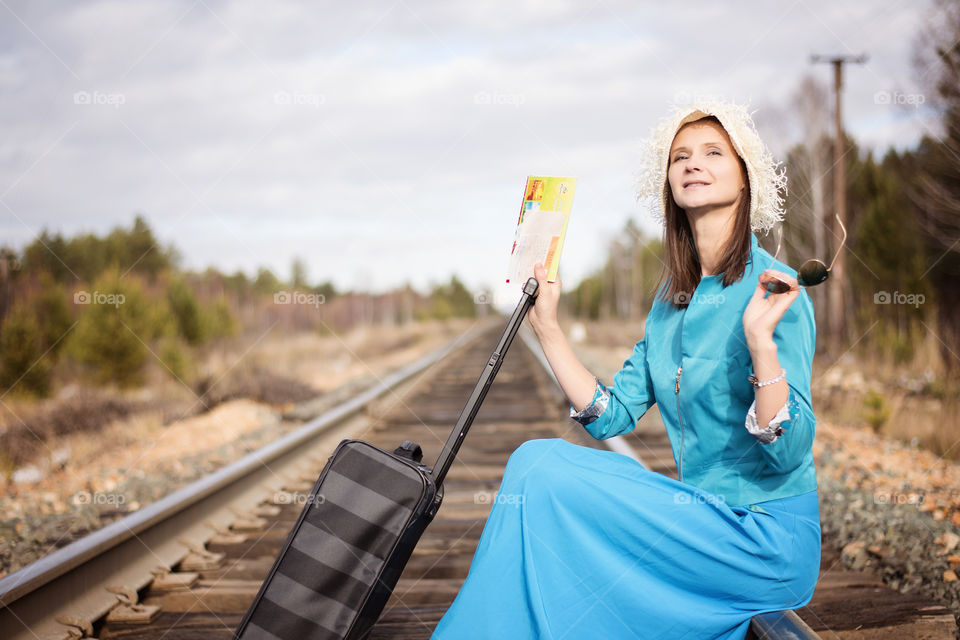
{"x": 8, "y": 263}
{"x": 838, "y": 283}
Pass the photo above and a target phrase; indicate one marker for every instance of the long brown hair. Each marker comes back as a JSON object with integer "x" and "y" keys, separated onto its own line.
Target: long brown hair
{"x": 682, "y": 268}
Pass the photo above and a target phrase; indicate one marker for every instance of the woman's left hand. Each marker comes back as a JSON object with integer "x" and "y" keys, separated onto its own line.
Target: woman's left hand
{"x": 762, "y": 314}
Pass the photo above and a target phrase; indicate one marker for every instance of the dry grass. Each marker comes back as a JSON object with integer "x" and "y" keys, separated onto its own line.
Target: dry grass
{"x": 275, "y": 369}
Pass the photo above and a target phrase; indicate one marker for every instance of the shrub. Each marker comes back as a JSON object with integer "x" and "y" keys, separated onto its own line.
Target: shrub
{"x": 52, "y": 315}
{"x": 186, "y": 312}
{"x": 23, "y": 365}
{"x": 876, "y": 412}
{"x": 116, "y": 324}
{"x": 219, "y": 321}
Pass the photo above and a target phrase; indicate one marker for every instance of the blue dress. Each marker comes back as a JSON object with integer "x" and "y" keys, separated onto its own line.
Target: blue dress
{"x": 587, "y": 543}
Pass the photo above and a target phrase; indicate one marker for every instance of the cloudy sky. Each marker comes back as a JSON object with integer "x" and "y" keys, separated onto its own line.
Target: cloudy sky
{"x": 388, "y": 142}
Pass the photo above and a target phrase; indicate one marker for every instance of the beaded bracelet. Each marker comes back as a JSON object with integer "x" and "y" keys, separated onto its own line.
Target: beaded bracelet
{"x": 762, "y": 383}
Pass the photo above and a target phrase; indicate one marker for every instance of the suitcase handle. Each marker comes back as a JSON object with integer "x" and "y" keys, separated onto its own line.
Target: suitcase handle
{"x": 410, "y": 450}
{"x": 469, "y": 412}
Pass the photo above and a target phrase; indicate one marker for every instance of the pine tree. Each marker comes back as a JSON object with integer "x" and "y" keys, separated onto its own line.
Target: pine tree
{"x": 186, "y": 312}
{"x": 23, "y": 366}
{"x": 115, "y": 326}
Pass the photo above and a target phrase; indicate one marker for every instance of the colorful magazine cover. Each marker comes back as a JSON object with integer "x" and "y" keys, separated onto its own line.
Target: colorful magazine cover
{"x": 541, "y": 227}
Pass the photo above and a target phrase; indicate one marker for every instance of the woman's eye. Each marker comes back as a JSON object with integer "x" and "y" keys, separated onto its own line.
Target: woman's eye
{"x": 713, "y": 151}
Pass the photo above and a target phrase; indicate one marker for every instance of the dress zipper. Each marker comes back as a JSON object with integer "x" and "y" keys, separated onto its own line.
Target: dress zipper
{"x": 676, "y": 390}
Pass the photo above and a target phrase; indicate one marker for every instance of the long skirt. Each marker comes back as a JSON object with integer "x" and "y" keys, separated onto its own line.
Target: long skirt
{"x": 587, "y": 543}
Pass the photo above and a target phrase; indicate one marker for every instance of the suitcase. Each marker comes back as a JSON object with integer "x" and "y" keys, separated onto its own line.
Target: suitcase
{"x": 359, "y": 527}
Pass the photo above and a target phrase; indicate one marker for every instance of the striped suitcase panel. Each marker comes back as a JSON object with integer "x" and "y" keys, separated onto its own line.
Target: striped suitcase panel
{"x": 347, "y": 550}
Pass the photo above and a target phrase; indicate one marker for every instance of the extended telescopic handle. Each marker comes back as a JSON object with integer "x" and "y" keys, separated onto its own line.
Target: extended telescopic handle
{"x": 452, "y": 446}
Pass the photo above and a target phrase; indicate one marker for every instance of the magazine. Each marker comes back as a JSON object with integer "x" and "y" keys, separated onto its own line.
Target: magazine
{"x": 541, "y": 227}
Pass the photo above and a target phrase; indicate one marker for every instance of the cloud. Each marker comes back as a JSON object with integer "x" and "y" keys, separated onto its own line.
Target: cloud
{"x": 388, "y": 138}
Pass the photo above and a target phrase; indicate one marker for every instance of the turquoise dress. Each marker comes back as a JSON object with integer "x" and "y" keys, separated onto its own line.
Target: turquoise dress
{"x": 588, "y": 543}
{"x": 583, "y": 543}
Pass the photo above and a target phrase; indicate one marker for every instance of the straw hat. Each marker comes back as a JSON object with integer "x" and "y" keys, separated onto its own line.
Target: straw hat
{"x": 768, "y": 180}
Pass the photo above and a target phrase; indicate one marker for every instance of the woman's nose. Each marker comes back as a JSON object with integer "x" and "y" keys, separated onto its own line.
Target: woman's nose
{"x": 693, "y": 163}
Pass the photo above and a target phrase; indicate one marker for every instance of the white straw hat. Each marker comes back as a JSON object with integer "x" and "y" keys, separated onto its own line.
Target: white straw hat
{"x": 767, "y": 178}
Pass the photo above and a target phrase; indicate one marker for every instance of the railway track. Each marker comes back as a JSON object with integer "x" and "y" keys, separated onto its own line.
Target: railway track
{"x": 188, "y": 566}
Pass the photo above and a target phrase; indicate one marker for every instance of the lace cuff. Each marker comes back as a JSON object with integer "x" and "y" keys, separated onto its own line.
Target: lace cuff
{"x": 773, "y": 430}
{"x": 601, "y": 397}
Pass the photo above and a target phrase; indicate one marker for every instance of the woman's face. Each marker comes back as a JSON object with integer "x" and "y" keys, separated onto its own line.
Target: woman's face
{"x": 704, "y": 171}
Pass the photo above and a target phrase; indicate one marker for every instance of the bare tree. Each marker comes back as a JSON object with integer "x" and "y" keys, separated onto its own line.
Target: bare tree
{"x": 810, "y": 177}
{"x": 937, "y": 192}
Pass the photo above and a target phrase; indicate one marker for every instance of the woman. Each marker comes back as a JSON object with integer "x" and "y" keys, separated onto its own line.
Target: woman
{"x": 593, "y": 545}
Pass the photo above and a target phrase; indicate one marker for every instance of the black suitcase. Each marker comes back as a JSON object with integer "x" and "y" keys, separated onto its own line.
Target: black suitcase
{"x": 359, "y": 527}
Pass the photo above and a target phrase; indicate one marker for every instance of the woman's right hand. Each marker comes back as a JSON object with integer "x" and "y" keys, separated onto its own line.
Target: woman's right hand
{"x": 543, "y": 314}
{"x": 577, "y": 383}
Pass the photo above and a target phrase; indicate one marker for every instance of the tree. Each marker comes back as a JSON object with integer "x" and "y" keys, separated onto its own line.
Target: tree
{"x": 48, "y": 253}
{"x": 138, "y": 250}
{"x": 52, "y": 315}
{"x": 625, "y": 285}
{"x": 452, "y": 299}
{"x": 809, "y": 218}
{"x": 186, "y": 312}
{"x": 219, "y": 321}
{"x": 115, "y": 326}
{"x": 889, "y": 257}
{"x": 266, "y": 282}
{"x": 298, "y": 275}
{"x": 88, "y": 255}
{"x": 937, "y": 193}
{"x": 22, "y": 363}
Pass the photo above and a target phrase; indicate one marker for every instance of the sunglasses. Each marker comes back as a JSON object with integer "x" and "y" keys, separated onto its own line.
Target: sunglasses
{"x": 812, "y": 272}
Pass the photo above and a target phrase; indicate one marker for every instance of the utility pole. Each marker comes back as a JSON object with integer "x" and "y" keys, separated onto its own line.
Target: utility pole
{"x": 837, "y": 290}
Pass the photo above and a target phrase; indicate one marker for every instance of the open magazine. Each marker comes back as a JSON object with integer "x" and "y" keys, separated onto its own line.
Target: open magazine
{"x": 542, "y": 226}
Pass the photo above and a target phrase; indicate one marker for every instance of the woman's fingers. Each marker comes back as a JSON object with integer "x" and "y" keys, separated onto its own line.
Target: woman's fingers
{"x": 540, "y": 273}
{"x": 764, "y": 312}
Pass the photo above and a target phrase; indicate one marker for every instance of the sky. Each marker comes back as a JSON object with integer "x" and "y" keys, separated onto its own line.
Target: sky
{"x": 386, "y": 143}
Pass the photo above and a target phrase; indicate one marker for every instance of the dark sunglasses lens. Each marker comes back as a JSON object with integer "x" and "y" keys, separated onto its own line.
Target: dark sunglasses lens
{"x": 812, "y": 272}
{"x": 777, "y": 286}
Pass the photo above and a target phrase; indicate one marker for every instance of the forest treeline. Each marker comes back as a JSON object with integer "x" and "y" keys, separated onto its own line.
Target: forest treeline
{"x": 106, "y": 308}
